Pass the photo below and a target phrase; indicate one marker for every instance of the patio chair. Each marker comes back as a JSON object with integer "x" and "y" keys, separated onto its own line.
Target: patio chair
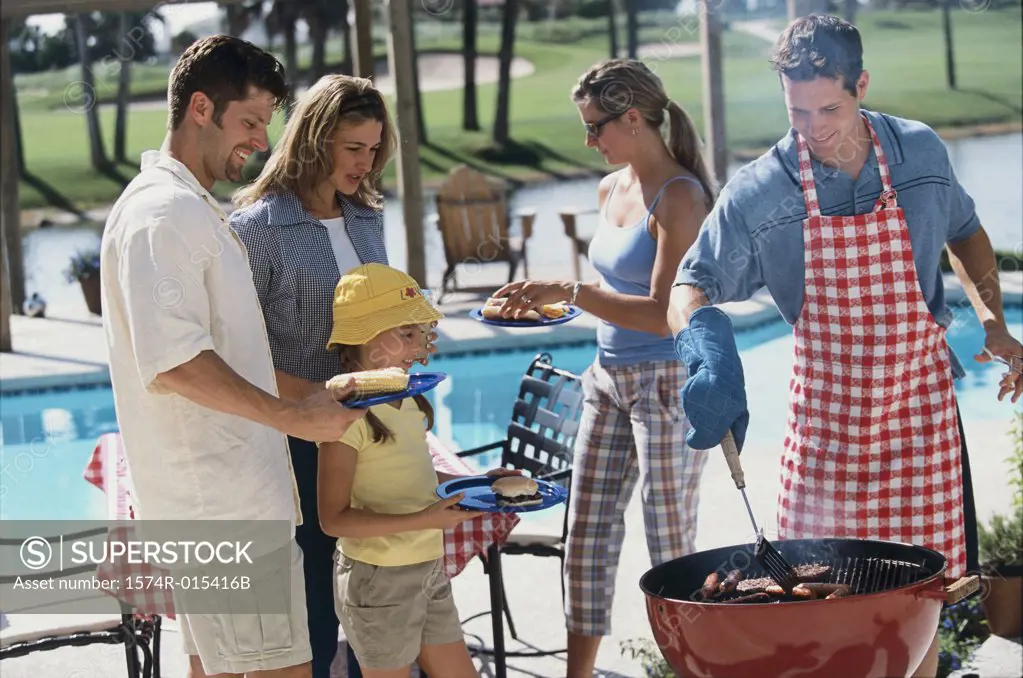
{"x": 580, "y": 244}
{"x": 35, "y": 630}
{"x": 474, "y": 222}
{"x": 540, "y": 438}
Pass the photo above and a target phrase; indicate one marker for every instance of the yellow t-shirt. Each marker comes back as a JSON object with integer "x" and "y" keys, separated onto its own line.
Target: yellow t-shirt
{"x": 393, "y": 476}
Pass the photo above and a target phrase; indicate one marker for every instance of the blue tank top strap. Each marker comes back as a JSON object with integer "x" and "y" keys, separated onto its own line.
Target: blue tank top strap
{"x": 607, "y": 200}
{"x": 657, "y": 199}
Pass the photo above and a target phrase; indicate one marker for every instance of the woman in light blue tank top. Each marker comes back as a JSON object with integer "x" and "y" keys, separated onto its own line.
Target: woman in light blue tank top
{"x": 633, "y": 428}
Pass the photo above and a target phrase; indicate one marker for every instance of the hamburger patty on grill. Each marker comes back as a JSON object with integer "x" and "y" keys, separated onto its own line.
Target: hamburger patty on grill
{"x": 812, "y": 572}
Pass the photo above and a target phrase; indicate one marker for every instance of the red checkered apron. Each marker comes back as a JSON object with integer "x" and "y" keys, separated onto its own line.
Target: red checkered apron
{"x": 872, "y": 449}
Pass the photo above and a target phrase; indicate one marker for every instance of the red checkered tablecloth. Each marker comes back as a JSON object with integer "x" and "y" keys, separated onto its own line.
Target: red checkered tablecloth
{"x": 461, "y": 544}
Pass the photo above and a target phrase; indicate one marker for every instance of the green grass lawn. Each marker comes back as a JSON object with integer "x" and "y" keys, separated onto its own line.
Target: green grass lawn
{"x": 904, "y": 54}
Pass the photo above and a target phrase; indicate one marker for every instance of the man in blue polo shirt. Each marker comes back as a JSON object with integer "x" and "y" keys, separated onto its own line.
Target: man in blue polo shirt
{"x": 844, "y": 221}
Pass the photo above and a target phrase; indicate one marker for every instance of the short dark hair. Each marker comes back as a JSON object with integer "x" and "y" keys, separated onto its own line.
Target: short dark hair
{"x": 223, "y": 68}
{"x": 820, "y": 46}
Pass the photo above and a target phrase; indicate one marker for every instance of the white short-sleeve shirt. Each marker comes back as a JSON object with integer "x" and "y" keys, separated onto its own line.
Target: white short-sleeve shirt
{"x": 176, "y": 281}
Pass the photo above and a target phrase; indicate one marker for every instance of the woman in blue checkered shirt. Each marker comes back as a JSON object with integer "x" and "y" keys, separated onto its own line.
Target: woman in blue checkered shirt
{"x": 313, "y": 215}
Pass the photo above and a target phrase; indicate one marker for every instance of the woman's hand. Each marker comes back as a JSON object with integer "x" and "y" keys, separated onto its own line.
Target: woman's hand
{"x": 523, "y": 295}
{"x": 444, "y": 514}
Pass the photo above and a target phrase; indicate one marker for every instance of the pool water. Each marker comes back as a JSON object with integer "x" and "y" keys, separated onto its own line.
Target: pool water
{"x": 49, "y": 436}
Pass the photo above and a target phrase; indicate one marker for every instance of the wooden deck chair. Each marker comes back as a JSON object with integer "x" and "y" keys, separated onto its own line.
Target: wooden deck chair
{"x": 473, "y": 218}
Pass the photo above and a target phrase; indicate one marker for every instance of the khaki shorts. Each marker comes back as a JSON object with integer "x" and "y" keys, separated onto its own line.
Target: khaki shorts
{"x": 240, "y": 643}
{"x": 389, "y": 613}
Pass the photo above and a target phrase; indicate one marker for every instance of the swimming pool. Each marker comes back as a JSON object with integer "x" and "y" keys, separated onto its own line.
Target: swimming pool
{"x": 48, "y": 436}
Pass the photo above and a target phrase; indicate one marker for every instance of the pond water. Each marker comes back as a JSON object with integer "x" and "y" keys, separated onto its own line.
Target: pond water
{"x": 991, "y": 168}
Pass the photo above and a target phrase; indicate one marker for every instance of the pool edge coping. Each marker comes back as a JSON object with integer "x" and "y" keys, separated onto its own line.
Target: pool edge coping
{"x": 509, "y": 340}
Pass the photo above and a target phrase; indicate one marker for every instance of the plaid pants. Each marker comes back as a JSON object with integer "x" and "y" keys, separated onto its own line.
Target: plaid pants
{"x": 632, "y": 426}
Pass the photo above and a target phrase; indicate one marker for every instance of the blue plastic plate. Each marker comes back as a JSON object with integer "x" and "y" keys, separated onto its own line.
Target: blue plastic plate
{"x": 479, "y": 496}
{"x": 421, "y": 382}
{"x": 573, "y": 313}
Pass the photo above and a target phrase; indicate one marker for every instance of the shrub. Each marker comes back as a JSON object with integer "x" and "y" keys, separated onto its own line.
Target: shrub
{"x": 648, "y": 653}
{"x": 962, "y": 629}
{"x": 1001, "y": 541}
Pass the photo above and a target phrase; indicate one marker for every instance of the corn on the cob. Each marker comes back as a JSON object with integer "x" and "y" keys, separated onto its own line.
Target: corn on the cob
{"x": 372, "y": 382}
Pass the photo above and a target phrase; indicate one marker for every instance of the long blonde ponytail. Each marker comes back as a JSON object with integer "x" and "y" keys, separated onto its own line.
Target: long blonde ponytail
{"x": 685, "y": 146}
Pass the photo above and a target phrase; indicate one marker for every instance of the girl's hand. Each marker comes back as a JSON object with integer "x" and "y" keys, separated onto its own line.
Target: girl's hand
{"x": 500, "y": 471}
{"x": 531, "y": 294}
{"x": 444, "y": 514}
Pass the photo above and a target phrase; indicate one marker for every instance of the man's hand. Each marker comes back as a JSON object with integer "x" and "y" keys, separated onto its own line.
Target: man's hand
{"x": 429, "y": 340}
{"x": 1002, "y": 344}
{"x": 321, "y": 418}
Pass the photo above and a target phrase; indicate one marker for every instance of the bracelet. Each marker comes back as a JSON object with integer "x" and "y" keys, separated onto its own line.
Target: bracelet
{"x": 575, "y": 292}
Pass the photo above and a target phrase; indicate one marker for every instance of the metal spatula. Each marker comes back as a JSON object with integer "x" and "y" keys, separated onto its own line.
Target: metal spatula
{"x": 769, "y": 558}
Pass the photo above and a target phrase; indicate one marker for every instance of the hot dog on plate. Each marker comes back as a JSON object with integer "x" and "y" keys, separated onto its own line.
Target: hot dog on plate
{"x": 493, "y": 310}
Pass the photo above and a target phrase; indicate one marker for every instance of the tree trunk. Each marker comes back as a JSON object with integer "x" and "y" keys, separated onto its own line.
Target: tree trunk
{"x": 632, "y": 27}
{"x": 850, "y": 10}
{"x": 507, "y": 51}
{"x": 318, "y": 34}
{"x": 416, "y": 91}
{"x": 236, "y": 22}
{"x": 123, "y": 95}
{"x": 410, "y": 189}
{"x": 470, "y": 119}
{"x": 950, "y": 63}
{"x": 19, "y": 146}
{"x": 713, "y": 92}
{"x": 346, "y": 41}
{"x": 290, "y": 62}
{"x": 97, "y": 155}
{"x": 363, "y": 65}
{"x": 12, "y": 277}
{"x": 612, "y": 28}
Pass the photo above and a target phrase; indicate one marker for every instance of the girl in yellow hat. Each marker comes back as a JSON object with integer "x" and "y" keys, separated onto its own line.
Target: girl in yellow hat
{"x": 376, "y": 493}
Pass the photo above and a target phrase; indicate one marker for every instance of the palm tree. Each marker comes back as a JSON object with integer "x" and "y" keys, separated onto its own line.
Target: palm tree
{"x": 281, "y": 20}
{"x": 470, "y": 10}
{"x": 97, "y": 154}
{"x": 632, "y": 27}
{"x": 126, "y": 54}
{"x": 507, "y": 51}
{"x": 612, "y": 27}
{"x": 320, "y": 16}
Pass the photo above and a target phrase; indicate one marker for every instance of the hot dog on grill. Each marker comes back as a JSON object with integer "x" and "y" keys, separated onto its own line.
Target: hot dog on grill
{"x": 710, "y": 585}
{"x": 828, "y": 590}
{"x": 752, "y": 598}
{"x": 798, "y": 592}
{"x": 731, "y": 581}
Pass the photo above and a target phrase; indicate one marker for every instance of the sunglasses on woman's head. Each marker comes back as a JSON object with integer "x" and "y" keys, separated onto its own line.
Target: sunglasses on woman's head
{"x": 593, "y": 128}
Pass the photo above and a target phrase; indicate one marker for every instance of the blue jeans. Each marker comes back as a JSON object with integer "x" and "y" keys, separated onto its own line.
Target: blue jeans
{"x": 318, "y": 562}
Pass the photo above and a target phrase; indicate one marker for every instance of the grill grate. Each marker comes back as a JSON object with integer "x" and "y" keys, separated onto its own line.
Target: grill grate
{"x": 861, "y": 574}
{"x": 870, "y": 575}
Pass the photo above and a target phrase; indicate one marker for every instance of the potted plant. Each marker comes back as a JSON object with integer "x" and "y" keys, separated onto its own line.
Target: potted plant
{"x": 1001, "y": 552}
{"x": 84, "y": 267}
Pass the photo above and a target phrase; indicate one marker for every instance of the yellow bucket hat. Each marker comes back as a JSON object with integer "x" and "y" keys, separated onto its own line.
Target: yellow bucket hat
{"x": 374, "y": 298}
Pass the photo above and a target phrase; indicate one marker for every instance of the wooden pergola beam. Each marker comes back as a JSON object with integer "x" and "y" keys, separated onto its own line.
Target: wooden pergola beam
{"x": 23, "y": 8}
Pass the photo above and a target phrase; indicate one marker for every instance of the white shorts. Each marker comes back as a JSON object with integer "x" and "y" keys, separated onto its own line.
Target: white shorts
{"x": 240, "y": 643}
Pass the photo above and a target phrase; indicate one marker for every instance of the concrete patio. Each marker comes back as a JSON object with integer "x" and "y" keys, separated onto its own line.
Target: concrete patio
{"x": 70, "y": 349}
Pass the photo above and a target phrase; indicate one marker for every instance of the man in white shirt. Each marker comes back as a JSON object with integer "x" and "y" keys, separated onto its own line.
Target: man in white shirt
{"x": 202, "y": 411}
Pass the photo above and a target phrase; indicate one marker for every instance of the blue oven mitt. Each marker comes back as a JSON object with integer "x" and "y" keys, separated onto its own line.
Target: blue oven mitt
{"x": 714, "y": 396}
